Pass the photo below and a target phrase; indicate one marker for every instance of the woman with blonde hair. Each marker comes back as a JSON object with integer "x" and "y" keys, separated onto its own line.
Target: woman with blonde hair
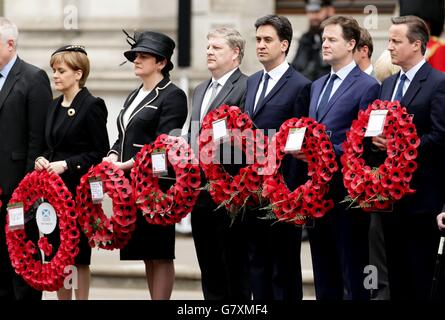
{"x": 383, "y": 66}
{"x": 76, "y": 139}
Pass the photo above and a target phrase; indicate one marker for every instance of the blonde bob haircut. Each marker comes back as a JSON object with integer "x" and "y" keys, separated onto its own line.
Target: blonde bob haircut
{"x": 75, "y": 61}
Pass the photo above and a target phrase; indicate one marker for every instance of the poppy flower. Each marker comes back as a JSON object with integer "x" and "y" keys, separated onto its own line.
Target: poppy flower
{"x": 410, "y": 153}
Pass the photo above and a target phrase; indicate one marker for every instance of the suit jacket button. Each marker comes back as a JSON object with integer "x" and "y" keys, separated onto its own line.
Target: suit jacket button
{"x": 78, "y": 167}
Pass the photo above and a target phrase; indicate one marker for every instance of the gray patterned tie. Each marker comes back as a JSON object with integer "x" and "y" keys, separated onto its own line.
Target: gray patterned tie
{"x": 214, "y": 90}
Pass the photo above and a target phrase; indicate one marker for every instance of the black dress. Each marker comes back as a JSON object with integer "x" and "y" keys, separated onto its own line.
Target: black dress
{"x": 164, "y": 109}
{"x": 78, "y": 135}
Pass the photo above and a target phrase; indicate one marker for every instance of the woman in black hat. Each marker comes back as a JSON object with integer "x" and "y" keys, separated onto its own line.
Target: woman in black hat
{"x": 76, "y": 139}
{"x": 156, "y": 107}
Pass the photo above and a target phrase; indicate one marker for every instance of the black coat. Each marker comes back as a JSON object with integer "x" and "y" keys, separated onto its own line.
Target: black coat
{"x": 83, "y": 141}
{"x": 164, "y": 109}
{"x": 24, "y": 100}
{"x": 308, "y": 59}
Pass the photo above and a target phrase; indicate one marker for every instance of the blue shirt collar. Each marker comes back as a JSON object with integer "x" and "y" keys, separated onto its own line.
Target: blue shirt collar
{"x": 343, "y": 72}
{"x": 5, "y": 71}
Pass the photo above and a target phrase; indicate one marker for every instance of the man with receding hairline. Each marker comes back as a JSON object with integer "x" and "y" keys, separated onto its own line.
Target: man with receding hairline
{"x": 25, "y": 94}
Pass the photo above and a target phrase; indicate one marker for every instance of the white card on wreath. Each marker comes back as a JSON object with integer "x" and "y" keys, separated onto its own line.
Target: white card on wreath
{"x": 294, "y": 140}
{"x": 159, "y": 163}
{"x": 97, "y": 190}
{"x": 220, "y": 130}
{"x": 46, "y": 218}
{"x": 16, "y": 217}
{"x": 376, "y": 123}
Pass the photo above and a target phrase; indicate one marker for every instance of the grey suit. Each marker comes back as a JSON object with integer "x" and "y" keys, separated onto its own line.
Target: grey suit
{"x": 232, "y": 93}
{"x": 220, "y": 247}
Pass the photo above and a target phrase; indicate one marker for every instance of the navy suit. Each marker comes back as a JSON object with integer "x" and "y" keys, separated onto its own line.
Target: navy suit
{"x": 339, "y": 240}
{"x": 274, "y": 248}
{"x": 411, "y": 234}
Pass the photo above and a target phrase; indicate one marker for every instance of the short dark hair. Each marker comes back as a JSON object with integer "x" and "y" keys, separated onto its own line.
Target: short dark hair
{"x": 417, "y": 29}
{"x": 365, "y": 40}
{"x": 168, "y": 67}
{"x": 281, "y": 24}
{"x": 350, "y": 27}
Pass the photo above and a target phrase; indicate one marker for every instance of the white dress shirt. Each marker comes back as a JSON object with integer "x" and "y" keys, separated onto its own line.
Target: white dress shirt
{"x": 142, "y": 94}
{"x": 221, "y": 82}
{"x": 341, "y": 75}
{"x": 409, "y": 77}
{"x": 275, "y": 76}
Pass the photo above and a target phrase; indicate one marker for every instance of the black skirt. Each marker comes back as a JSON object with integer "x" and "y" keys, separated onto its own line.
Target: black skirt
{"x": 84, "y": 255}
{"x": 150, "y": 242}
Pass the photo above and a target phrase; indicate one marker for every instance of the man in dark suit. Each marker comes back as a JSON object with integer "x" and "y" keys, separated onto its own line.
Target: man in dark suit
{"x": 25, "y": 94}
{"x": 339, "y": 240}
{"x": 220, "y": 245}
{"x": 274, "y": 94}
{"x": 410, "y": 231}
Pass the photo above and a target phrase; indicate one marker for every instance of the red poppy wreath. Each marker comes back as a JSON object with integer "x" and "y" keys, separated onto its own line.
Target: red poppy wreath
{"x": 378, "y": 188}
{"x": 106, "y": 233}
{"x": 243, "y": 189}
{"x": 166, "y": 208}
{"x": 307, "y": 200}
{"x": 49, "y": 276}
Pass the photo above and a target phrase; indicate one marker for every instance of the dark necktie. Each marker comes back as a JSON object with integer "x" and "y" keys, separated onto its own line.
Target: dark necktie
{"x": 263, "y": 92}
{"x": 327, "y": 93}
{"x": 399, "y": 92}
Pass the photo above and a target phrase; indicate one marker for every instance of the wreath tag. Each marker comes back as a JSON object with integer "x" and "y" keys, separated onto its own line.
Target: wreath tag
{"x": 46, "y": 218}
{"x": 220, "y": 132}
{"x": 97, "y": 189}
{"x": 294, "y": 140}
{"x": 376, "y": 123}
{"x": 16, "y": 216}
{"x": 159, "y": 163}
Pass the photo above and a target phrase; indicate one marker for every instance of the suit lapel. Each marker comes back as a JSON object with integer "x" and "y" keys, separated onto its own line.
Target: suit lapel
{"x": 197, "y": 101}
{"x": 345, "y": 85}
{"x": 275, "y": 89}
{"x": 318, "y": 87}
{"x": 127, "y": 103}
{"x": 164, "y": 83}
{"x": 250, "y": 99}
{"x": 11, "y": 79}
{"x": 225, "y": 91}
{"x": 388, "y": 90}
{"x": 416, "y": 84}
